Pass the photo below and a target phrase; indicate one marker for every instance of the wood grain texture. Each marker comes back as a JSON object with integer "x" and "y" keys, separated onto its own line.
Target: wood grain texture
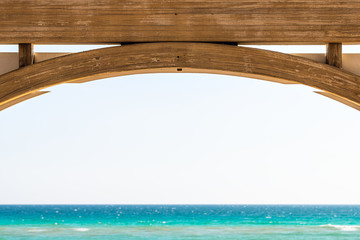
{"x": 26, "y": 54}
{"x": 334, "y": 54}
{"x": 10, "y": 61}
{"x": 114, "y": 21}
{"x": 21, "y": 99}
{"x": 188, "y": 57}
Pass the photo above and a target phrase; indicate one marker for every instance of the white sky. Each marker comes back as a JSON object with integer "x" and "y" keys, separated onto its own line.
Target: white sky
{"x": 179, "y": 139}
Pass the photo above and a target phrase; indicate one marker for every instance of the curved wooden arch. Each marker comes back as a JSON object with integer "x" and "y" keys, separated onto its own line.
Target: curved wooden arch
{"x": 24, "y": 83}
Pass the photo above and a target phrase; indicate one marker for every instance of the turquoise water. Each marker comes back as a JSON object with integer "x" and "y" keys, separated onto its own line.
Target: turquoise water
{"x": 178, "y": 222}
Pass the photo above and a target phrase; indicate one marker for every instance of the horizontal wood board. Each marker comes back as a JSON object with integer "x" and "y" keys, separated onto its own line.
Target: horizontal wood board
{"x": 116, "y": 21}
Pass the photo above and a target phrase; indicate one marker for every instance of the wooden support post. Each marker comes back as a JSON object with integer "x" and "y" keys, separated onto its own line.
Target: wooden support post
{"x": 26, "y": 54}
{"x": 334, "y": 54}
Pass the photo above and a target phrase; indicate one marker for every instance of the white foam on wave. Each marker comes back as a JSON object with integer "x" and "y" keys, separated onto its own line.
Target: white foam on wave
{"x": 37, "y": 230}
{"x": 81, "y": 229}
{"x": 344, "y": 227}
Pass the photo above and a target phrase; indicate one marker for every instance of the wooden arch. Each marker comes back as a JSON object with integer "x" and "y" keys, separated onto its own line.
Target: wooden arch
{"x": 174, "y": 57}
{"x": 179, "y": 35}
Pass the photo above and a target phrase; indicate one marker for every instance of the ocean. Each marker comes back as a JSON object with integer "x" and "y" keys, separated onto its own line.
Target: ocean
{"x": 105, "y": 222}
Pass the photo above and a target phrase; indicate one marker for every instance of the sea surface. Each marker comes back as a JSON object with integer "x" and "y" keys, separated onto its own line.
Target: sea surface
{"x": 77, "y": 222}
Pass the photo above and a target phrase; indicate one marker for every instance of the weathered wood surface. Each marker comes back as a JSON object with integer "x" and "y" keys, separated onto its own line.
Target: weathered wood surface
{"x": 173, "y": 57}
{"x": 9, "y": 61}
{"x": 334, "y": 54}
{"x": 350, "y": 61}
{"x": 114, "y": 21}
{"x": 21, "y": 99}
{"x": 26, "y": 54}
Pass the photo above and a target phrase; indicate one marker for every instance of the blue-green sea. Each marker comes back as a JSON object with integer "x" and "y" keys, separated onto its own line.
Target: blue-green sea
{"x": 77, "y": 222}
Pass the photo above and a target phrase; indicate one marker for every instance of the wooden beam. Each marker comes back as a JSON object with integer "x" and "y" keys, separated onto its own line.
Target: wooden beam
{"x": 115, "y": 21}
{"x": 350, "y": 61}
{"x": 26, "y": 54}
{"x": 21, "y": 99}
{"x": 334, "y": 54}
{"x": 189, "y": 57}
{"x": 9, "y": 61}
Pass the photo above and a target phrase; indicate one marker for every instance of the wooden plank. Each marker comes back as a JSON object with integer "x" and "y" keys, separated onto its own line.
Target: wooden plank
{"x": 40, "y": 57}
{"x": 350, "y": 61}
{"x": 26, "y": 54}
{"x": 21, "y": 99}
{"x": 178, "y": 70}
{"x": 192, "y": 57}
{"x": 114, "y": 21}
{"x": 10, "y": 61}
{"x": 317, "y": 57}
{"x": 334, "y": 54}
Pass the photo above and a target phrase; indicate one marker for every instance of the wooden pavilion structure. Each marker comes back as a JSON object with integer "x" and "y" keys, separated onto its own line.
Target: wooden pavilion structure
{"x": 179, "y": 36}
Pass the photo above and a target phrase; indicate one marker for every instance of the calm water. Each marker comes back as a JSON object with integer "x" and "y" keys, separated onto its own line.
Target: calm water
{"x": 178, "y": 222}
